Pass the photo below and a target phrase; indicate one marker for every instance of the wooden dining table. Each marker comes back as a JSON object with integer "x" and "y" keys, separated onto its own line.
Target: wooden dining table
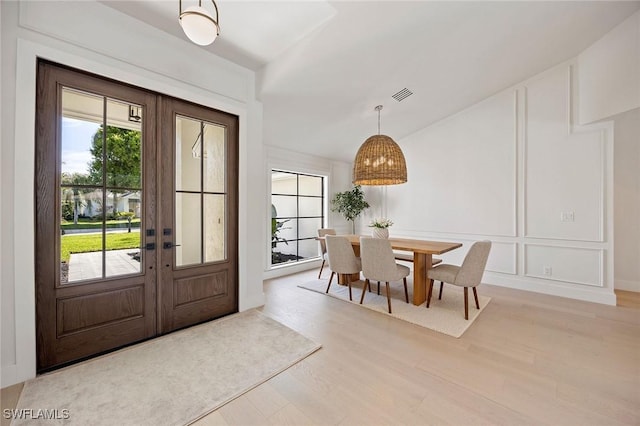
{"x": 423, "y": 251}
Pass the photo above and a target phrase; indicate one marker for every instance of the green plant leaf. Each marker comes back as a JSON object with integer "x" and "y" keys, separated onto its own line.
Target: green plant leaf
{"x": 349, "y": 203}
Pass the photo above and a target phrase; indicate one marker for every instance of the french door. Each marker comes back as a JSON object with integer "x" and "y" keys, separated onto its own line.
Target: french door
{"x": 136, "y": 214}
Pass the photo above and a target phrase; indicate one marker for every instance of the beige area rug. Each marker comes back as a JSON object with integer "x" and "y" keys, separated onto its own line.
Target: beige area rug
{"x": 172, "y": 380}
{"x": 445, "y": 316}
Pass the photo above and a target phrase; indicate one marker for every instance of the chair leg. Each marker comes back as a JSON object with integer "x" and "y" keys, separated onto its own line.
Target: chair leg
{"x": 475, "y": 295}
{"x": 350, "y": 298}
{"x": 406, "y": 293}
{"x": 330, "y": 278}
{"x": 364, "y": 288}
{"x": 378, "y": 288}
{"x": 466, "y": 303}
{"x": 429, "y": 292}
{"x": 321, "y": 266}
{"x": 440, "y": 294}
{"x": 388, "y": 297}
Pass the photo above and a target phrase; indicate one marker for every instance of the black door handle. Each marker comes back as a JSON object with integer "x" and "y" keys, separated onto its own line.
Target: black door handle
{"x": 169, "y": 244}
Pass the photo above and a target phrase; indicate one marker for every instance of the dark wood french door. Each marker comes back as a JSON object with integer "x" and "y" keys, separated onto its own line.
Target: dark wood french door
{"x": 199, "y": 214}
{"x": 136, "y": 214}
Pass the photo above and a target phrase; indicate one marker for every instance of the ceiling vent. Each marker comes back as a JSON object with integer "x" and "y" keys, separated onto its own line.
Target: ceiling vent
{"x": 402, "y": 95}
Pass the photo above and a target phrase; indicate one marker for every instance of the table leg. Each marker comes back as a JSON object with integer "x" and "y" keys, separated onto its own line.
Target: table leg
{"x": 421, "y": 264}
{"x": 345, "y": 279}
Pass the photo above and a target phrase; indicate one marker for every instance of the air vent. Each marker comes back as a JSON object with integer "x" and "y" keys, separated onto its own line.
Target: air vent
{"x": 402, "y": 95}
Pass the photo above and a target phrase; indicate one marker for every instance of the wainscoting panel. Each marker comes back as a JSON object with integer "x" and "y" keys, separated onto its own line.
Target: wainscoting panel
{"x": 457, "y": 165}
{"x": 502, "y": 259}
{"x": 564, "y": 172}
{"x": 576, "y": 265}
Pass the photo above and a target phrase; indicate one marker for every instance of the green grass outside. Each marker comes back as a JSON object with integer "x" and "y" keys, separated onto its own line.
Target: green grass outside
{"x": 85, "y": 243}
{"x": 87, "y": 224}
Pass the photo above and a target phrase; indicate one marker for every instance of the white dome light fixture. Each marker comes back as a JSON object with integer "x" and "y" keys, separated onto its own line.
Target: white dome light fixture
{"x": 198, "y": 24}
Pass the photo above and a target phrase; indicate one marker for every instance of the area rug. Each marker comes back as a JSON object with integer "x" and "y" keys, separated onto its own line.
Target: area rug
{"x": 172, "y": 380}
{"x": 445, "y": 316}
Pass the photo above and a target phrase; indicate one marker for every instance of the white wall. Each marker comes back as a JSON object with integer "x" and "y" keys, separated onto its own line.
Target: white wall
{"x": 609, "y": 87}
{"x": 515, "y": 170}
{"x": 52, "y": 30}
{"x": 338, "y": 179}
{"x": 608, "y": 73}
{"x": 627, "y": 200}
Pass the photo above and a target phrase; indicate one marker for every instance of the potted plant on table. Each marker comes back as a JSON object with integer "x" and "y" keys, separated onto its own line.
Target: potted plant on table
{"x": 350, "y": 203}
{"x": 380, "y": 227}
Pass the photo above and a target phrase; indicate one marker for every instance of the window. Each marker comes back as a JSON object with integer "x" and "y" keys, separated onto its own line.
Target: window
{"x": 297, "y": 212}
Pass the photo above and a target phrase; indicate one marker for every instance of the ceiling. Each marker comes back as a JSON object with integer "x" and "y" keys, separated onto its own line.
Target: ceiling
{"x": 323, "y": 66}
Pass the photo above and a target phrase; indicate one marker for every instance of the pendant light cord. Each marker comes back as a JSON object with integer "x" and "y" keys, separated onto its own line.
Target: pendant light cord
{"x": 378, "y": 108}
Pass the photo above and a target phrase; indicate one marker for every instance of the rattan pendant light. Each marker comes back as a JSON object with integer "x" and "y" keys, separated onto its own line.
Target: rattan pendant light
{"x": 379, "y": 161}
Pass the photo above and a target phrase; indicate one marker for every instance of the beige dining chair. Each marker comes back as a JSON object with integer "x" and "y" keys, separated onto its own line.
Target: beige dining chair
{"x": 342, "y": 259}
{"x": 469, "y": 274}
{"x": 378, "y": 264}
{"x": 323, "y": 246}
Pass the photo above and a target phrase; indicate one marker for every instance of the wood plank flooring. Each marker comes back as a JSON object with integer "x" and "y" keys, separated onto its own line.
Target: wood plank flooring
{"x": 628, "y": 299}
{"x": 529, "y": 359}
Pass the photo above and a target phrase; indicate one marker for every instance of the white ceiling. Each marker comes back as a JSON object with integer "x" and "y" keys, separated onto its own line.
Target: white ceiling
{"x": 324, "y": 66}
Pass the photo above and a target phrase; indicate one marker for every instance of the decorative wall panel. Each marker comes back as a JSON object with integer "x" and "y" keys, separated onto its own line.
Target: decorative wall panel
{"x": 455, "y": 167}
{"x": 569, "y": 264}
{"x": 563, "y": 172}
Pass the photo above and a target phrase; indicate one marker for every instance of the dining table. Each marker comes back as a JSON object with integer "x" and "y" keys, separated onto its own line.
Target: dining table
{"x": 423, "y": 251}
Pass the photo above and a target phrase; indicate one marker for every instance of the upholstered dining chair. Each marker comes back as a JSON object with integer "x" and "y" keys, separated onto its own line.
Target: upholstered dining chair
{"x": 469, "y": 274}
{"x": 323, "y": 246}
{"x": 342, "y": 259}
{"x": 378, "y": 264}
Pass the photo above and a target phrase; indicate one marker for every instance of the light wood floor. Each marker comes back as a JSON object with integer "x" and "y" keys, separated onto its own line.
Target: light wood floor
{"x": 528, "y": 359}
{"x": 628, "y": 299}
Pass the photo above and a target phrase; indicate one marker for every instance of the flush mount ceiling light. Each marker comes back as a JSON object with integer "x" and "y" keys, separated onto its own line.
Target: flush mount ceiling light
{"x": 198, "y": 24}
{"x": 379, "y": 161}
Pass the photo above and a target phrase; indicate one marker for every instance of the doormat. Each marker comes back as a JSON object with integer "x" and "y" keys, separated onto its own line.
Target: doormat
{"x": 171, "y": 380}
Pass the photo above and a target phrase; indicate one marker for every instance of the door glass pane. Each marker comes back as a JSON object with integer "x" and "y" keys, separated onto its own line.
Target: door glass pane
{"x": 188, "y": 229}
{"x": 81, "y": 118}
{"x": 123, "y": 238}
{"x": 81, "y": 236}
{"x": 124, "y": 153}
{"x": 213, "y": 158}
{"x": 100, "y": 218}
{"x": 124, "y": 181}
{"x": 188, "y": 154}
{"x": 214, "y": 227}
{"x": 200, "y": 210}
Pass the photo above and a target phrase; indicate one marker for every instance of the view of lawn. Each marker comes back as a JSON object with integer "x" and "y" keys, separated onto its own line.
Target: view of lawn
{"x": 85, "y": 243}
{"x": 89, "y": 224}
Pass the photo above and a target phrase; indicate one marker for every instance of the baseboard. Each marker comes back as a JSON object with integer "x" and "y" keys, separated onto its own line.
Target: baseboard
{"x": 605, "y": 296}
{"x": 628, "y": 285}
{"x": 294, "y": 268}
